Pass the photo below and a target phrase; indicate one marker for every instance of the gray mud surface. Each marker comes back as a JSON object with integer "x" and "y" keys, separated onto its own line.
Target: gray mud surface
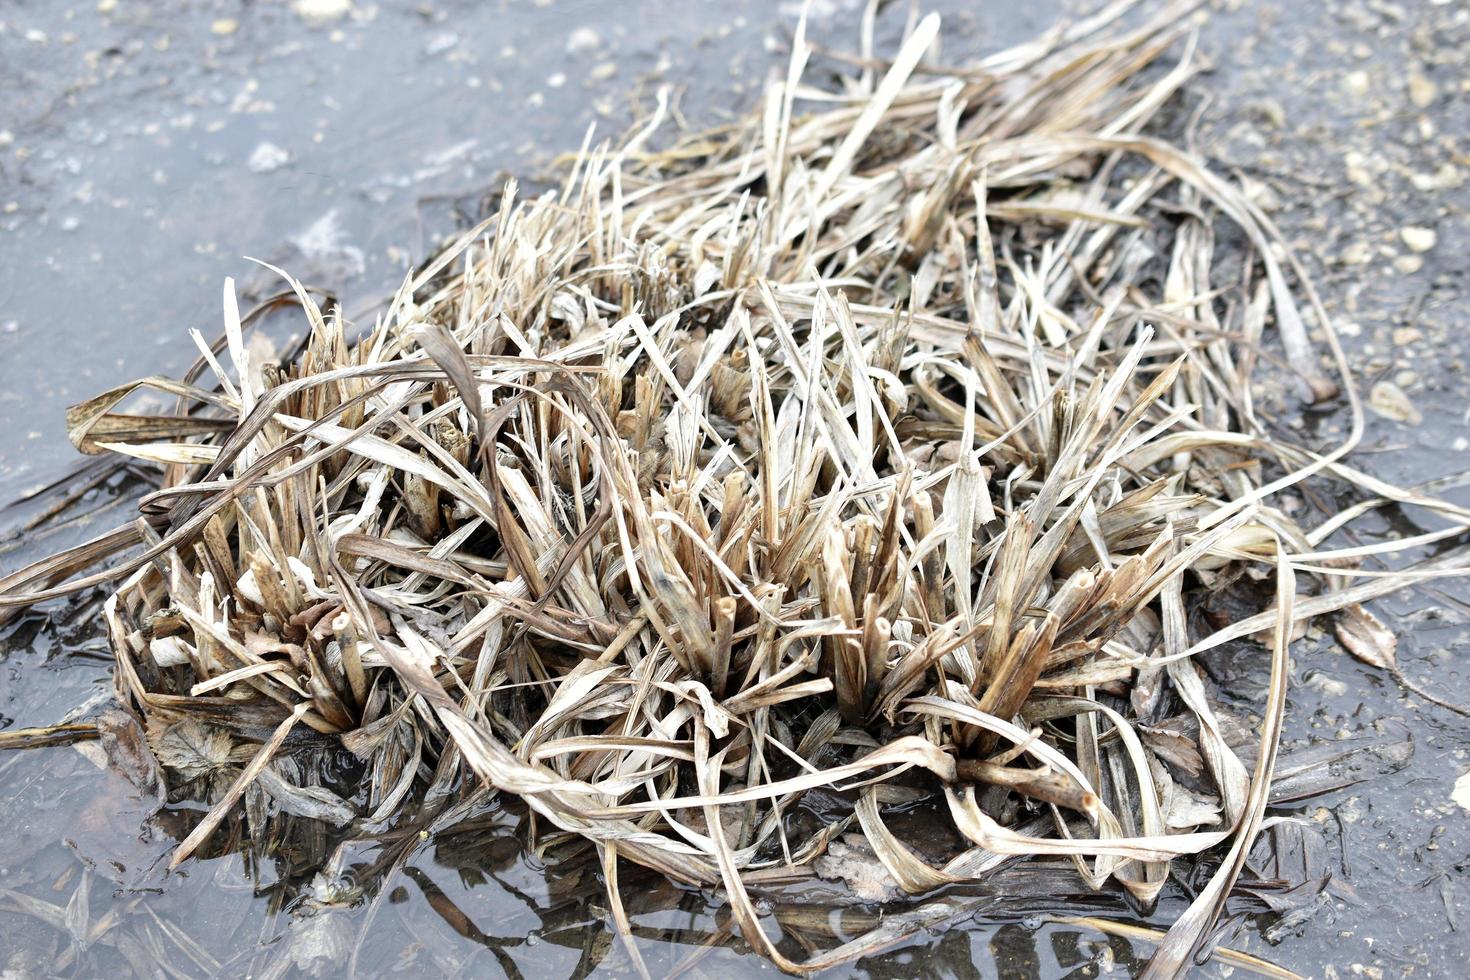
{"x": 146, "y": 148}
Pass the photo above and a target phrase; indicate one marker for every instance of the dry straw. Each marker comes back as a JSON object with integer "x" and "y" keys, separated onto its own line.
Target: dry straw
{"x": 879, "y": 449}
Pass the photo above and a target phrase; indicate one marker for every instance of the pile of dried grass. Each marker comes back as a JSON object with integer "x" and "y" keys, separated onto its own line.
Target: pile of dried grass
{"x": 880, "y": 450}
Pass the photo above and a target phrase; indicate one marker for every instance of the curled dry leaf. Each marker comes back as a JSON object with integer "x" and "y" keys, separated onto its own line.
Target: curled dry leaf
{"x": 1364, "y": 636}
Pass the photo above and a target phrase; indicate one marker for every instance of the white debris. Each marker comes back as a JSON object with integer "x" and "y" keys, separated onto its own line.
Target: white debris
{"x": 440, "y": 43}
{"x": 268, "y": 157}
{"x": 1461, "y": 794}
{"x": 582, "y": 40}
{"x": 321, "y": 11}
{"x": 324, "y": 243}
{"x": 168, "y": 651}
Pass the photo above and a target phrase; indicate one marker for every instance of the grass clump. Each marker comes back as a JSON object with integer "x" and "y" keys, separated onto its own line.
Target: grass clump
{"x": 887, "y": 449}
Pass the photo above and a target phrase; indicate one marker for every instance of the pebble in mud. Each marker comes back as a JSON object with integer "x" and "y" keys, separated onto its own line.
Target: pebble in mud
{"x": 1408, "y": 264}
{"x": 1389, "y": 401}
{"x": 1422, "y": 91}
{"x": 1418, "y": 238}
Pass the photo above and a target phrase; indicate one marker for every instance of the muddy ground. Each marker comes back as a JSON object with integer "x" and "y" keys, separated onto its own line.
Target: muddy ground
{"x": 147, "y": 148}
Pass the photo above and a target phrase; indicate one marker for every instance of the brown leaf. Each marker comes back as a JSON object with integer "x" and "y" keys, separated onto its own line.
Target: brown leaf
{"x": 192, "y": 748}
{"x": 1365, "y": 637}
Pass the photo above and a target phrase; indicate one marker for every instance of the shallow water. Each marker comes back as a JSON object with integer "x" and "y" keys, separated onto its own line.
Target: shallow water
{"x": 145, "y": 149}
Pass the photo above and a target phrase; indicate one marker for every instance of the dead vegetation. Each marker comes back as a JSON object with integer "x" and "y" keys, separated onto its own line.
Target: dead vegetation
{"x": 884, "y": 448}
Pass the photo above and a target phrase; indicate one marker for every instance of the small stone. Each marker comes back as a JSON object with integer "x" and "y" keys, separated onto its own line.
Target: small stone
{"x": 1460, "y": 444}
{"x": 582, "y": 40}
{"x": 1422, "y": 91}
{"x": 1389, "y": 401}
{"x": 1418, "y": 238}
{"x": 1356, "y": 83}
{"x": 556, "y": 80}
{"x": 1404, "y": 336}
{"x": 1406, "y": 379}
{"x": 106, "y": 6}
{"x": 1358, "y": 169}
{"x": 602, "y": 72}
{"x": 224, "y": 26}
{"x": 1262, "y": 195}
{"x": 10, "y": 326}
{"x": 1329, "y": 686}
{"x": 1408, "y": 264}
{"x": 268, "y": 157}
{"x": 1447, "y": 177}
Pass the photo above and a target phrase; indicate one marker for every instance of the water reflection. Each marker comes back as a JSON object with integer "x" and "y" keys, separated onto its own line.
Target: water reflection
{"x": 86, "y": 891}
